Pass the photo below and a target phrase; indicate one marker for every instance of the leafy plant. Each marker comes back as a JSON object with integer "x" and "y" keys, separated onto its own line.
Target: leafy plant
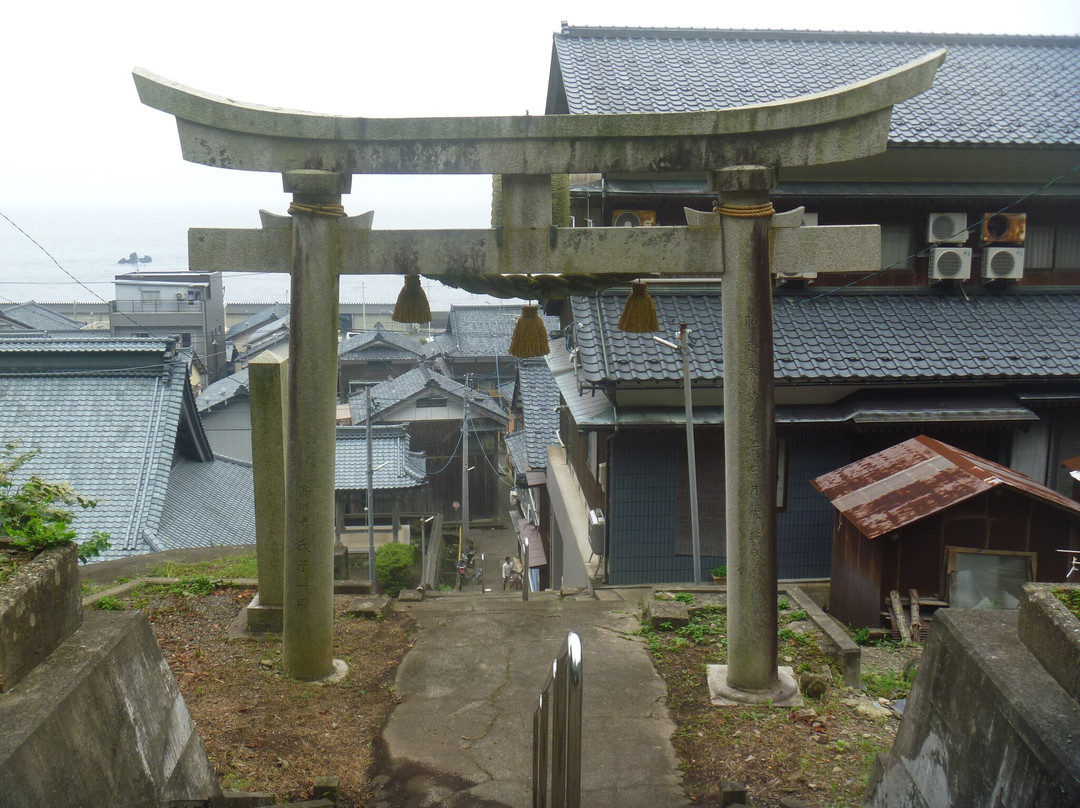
{"x": 783, "y": 604}
{"x": 109, "y": 604}
{"x": 719, "y": 572}
{"x": 1071, "y": 599}
{"x": 892, "y": 685}
{"x": 394, "y": 567}
{"x": 37, "y": 514}
{"x": 684, "y": 597}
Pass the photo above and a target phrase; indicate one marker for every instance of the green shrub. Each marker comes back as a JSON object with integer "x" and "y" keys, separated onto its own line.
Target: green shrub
{"x": 33, "y": 515}
{"x": 1071, "y": 599}
{"x": 109, "y": 604}
{"x": 394, "y": 567}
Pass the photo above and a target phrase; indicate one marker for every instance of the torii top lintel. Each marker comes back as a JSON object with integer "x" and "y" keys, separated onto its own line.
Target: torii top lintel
{"x": 843, "y": 124}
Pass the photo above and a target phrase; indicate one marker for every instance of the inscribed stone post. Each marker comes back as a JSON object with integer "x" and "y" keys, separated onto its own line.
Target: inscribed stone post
{"x": 268, "y": 388}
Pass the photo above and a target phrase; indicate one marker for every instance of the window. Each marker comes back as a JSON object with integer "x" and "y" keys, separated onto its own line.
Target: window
{"x": 150, "y": 295}
{"x": 897, "y": 246}
{"x": 1052, "y": 247}
{"x": 431, "y": 402}
{"x": 982, "y": 580}
{"x": 185, "y": 339}
{"x": 140, "y": 334}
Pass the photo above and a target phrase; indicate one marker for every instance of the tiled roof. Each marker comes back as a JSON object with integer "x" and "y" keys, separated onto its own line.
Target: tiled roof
{"x": 417, "y": 382}
{"x": 900, "y": 336}
{"x": 379, "y": 344}
{"x": 259, "y": 318}
{"x": 223, "y": 391}
{"x": 108, "y": 416}
{"x": 396, "y": 466}
{"x": 93, "y": 342}
{"x": 483, "y": 331}
{"x": 38, "y": 318}
{"x": 1014, "y": 90}
{"x": 208, "y": 504}
{"x": 539, "y": 399}
{"x": 518, "y": 449}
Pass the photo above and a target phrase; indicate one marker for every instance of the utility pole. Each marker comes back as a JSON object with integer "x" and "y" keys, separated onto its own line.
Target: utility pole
{"x": 370, "y": 489}
{"x": 465, "y": 467}
{"x": 691, "y": 456}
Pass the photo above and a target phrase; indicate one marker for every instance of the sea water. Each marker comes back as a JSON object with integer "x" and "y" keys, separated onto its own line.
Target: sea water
{"x": 87, "y": 245}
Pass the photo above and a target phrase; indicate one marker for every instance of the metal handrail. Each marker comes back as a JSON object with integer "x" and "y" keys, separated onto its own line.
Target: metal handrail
{"x": 560, "y": 706}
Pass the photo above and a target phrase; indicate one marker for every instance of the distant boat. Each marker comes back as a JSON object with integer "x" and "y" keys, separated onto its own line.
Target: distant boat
{"x": 134, "y": 259}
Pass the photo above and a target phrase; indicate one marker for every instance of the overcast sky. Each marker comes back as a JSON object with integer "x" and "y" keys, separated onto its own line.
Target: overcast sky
{"x": 74, "y": 133}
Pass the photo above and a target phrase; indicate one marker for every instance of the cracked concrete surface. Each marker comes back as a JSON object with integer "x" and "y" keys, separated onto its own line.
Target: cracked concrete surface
{"x": 462, "y": 734}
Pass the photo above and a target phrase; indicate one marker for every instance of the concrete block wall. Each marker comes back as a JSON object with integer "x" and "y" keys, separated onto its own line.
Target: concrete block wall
{"x": 39, "y": 608}
{"x": 101, "y": 722}
{"x": 986, "y": 724}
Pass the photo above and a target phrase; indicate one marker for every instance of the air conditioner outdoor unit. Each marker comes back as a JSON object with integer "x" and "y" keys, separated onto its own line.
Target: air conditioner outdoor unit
{"x": 950, "y": 263}
{"x": 1003, "y": 263}
{"x": 180, "y": 295}
{"x": 634, "y": 218}
{"x": 947, "y": 228}
{"x": 1004, "y": 228}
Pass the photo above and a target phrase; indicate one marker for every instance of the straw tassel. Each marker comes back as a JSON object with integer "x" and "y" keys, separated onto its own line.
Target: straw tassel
{"x": 530, "y": 335}
{"x": 639, "y": 314}
{"x": 412, "y": 303}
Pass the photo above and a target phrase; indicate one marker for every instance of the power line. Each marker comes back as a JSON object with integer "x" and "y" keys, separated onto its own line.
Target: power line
{"x": 61, "y": 267}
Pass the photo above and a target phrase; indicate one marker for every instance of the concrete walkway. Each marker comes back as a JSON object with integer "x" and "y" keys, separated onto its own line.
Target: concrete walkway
{"x": 462, "y": 734}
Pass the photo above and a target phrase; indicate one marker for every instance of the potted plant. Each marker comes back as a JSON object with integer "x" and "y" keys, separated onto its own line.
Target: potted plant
{"x": 719, "y": 574}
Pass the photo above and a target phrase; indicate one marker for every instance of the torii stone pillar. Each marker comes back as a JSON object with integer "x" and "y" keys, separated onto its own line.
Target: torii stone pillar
{"x": 749, "y": 439}
{"x": 844, "y": 124}
{"x": 307, "y": 630}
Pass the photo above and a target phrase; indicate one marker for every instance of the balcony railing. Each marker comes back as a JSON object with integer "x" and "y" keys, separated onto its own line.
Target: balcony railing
{"x": 157, "y": 306}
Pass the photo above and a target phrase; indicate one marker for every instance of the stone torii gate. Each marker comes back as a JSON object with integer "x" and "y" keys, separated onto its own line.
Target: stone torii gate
{"x": 741, "y": 149}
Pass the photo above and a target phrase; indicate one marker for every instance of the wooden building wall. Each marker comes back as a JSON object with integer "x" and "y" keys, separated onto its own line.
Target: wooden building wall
{"x": 864, "y": 571}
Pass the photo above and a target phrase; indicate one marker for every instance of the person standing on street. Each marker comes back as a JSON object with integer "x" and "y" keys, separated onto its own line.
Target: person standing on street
{"x": 507, "y": 571}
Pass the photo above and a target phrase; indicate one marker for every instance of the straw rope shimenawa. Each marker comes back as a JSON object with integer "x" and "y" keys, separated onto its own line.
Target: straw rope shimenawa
{"x": 747, "y": 212}
{"x": 317, "y": 209}
{"x": 412, "y": 303}
{"x": 530, "y": 337}
{"x": 639, "y": 314}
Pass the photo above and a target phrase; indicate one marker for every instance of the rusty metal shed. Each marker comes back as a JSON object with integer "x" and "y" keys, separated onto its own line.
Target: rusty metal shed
{"x": 906, "y": 514}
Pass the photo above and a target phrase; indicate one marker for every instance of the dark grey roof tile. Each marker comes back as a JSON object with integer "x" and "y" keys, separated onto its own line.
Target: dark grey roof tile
{"x": 990, "y": 89}
{"x": 851, "y": 336}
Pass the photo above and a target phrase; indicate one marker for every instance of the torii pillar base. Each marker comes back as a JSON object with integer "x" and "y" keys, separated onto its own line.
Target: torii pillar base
{"x": 783, "y": 693}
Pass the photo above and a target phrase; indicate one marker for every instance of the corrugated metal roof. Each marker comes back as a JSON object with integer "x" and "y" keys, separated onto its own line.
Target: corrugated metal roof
{"x": 917, "y": 478}
{"x": 1002, "y": 90}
